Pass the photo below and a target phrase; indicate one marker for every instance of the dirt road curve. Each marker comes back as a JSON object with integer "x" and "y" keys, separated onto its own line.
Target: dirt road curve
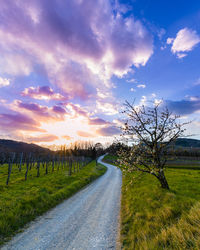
{"x": 88, "y": 220}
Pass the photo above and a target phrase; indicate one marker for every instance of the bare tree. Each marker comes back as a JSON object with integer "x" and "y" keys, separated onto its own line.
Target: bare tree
{"x": 150, "y": 131}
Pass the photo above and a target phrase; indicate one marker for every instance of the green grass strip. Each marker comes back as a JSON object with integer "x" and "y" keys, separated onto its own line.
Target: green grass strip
{"x": 22, "y": 201}
{"x": 153, "y": 218}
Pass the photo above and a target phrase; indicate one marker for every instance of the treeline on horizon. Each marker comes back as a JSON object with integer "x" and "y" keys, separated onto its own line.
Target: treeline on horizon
{"x": 22, "y": 151}
{"x": 181, "y": 148}
{"x": 19, "y": 151}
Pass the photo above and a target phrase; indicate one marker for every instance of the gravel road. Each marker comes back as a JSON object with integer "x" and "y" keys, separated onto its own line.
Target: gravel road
{"x": 87, "y": 220}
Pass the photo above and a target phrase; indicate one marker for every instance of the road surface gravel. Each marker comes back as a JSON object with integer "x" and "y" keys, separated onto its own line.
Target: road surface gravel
{"x": 88, "y": 220}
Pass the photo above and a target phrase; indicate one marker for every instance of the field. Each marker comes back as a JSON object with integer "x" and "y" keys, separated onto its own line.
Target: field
{"x": 153, "y": 218}
{"x": 110, "y": 159}
{"x": 21, "y": 201}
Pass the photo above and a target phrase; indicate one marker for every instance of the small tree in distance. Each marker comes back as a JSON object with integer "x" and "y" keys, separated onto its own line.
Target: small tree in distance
{"x": 149, "y": 132}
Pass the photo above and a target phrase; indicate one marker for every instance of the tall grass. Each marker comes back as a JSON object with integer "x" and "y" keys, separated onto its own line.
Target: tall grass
{"x": 153, "y": 218}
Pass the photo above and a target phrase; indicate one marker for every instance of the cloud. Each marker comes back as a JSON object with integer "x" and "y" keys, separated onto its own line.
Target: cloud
{"x": 97, "y": 121}
{"x": 43, "y": 138}
{"x": 131, "y": 44}
{"x": 132, "y": 90}
{"x": 59, "y": 110}
{"x": 132, "y": 80}
{"x": 108, "y": 108}
{"x": 78, "y": 44}
{"x": 43, "y": 93}
{"x": 141, "y": 86}
{"x": 184, "y": 107}
{"x": 186, "y": 39}
{"x": 181, "y": 55}
{"x": 76, "y": 110}
{"x": 143, "y": 100}
{"x": 14, "y": 64}
{"x": 108, "y": 131}
{"x": 17, "y": 121}
{"x": 84, "y": 134}
{"x": 43, "y": 112}
{"x": 161, "y": 33}
{"x": 67, "y": 137}
{"x": 4, "y": 82}
{"x": 170, "y": 40}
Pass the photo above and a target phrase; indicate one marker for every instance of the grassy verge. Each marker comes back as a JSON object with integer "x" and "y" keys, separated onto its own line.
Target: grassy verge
{"x": 153, "y": 218}
{"x": 111, "y": 159}
{"x": 21, "y": 202}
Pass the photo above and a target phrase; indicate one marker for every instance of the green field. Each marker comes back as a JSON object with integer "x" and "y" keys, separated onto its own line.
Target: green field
{"x": 21, "y": 201}
{"x": 110, "y": 159}
{"x": 153, "y": 218}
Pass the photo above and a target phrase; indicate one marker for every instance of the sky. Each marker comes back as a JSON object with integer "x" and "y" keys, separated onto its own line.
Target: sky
{"x": 67, "y": 67}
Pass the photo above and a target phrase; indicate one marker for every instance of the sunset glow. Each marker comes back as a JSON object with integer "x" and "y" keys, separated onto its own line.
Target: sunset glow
{"x": 66, "y": 67}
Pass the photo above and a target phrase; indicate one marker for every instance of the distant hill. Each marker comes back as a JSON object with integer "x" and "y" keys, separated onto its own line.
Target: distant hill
{"x": 17, "y": 147}
{"x": 185, "y": 142}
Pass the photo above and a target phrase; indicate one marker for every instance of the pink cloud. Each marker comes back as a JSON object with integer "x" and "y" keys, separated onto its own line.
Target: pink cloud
{"x": 76, "y": 50}
{"x": 97, "y": 121}
{"x": 17, "y": 121}
{"x": 76, "y": 110}
{"x": 58, "y": 110}
{"x": 35, "y": 108}
{"x": 78, "y": 46}
{"x": 43, "y": 138}
{"x": 84, "y": 134}
{"x": 67, "y": 137}
{"x": 43, "y": 93}
{"x": 108, "y": 131}
{"x": 45, "y": 113}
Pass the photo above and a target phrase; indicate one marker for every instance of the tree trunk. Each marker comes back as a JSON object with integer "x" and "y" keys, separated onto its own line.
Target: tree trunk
{"x": 162, "y": 179}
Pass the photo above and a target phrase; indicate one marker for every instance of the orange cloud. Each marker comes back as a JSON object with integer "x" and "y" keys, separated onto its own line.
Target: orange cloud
{"x": 84, "y": 134}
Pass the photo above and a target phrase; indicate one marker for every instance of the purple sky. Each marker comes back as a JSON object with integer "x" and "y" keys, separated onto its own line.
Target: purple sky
{"x": 66, "y": 67}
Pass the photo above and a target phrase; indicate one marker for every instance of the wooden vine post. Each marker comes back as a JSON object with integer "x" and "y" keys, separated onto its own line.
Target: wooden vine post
{"x": 10, "y": 162}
